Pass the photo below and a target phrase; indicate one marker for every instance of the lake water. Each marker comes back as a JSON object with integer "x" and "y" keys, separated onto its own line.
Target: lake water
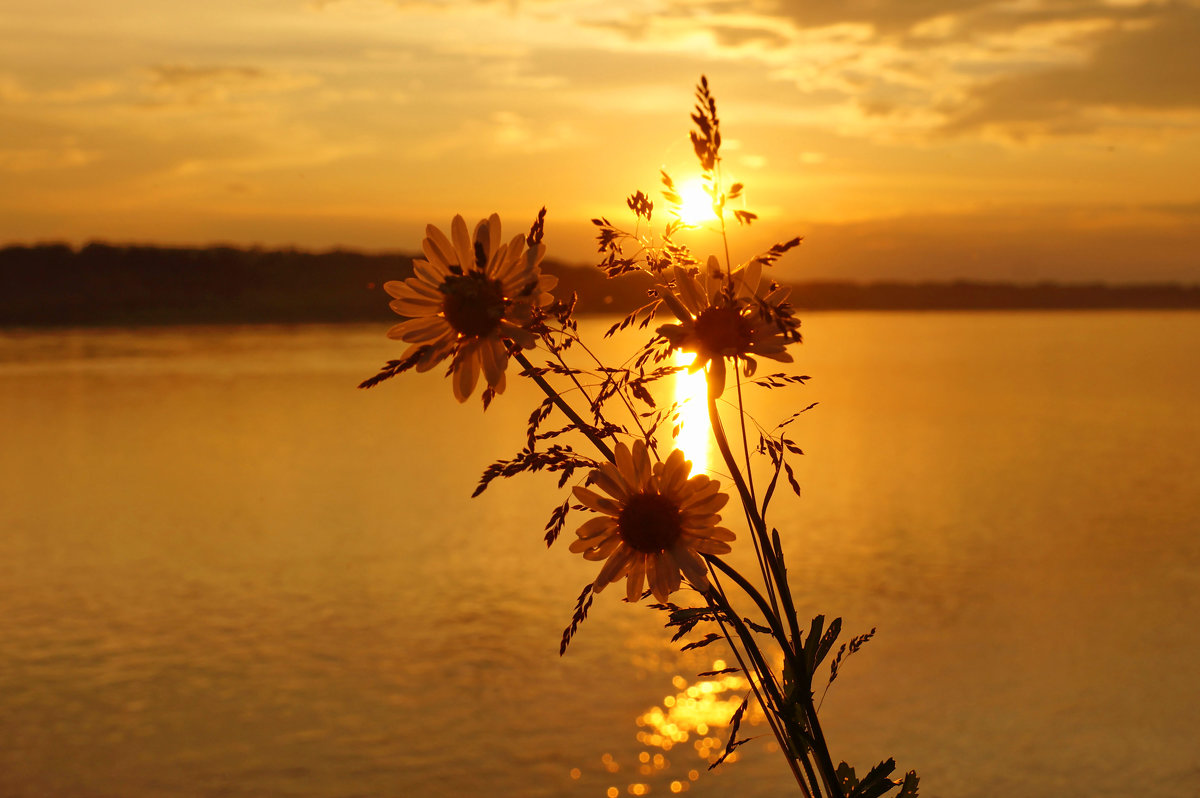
{"x": 226, "y": 572}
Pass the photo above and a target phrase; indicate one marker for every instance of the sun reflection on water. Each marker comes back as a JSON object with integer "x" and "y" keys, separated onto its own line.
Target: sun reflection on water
{"x": 690, "y": 724}
{"x": 696, "y": 714}
{"x": 693, "y": 437}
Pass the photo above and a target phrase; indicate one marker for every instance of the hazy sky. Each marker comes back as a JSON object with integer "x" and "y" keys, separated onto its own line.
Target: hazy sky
{"x": 1022, "y": 139}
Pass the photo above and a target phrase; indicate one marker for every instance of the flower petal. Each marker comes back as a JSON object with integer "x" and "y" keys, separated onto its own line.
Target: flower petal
{"x": 613, "y": 568}
{"x": 716, "y": 377}
{"x": 462, "y": 243}
{"x": 692, "y": 566}
{"x": 593, "y": 501}
{"x": 438, "y": 249}
{"x": 466, "y": 374}
{"x": 624, "y": 463}
{"x": 707, "y": 505}
{"x": 595, "y": 527}
{"x": 668, "y": 296}
{"x": 430, "y": 272}
{"x": 605, "y": 481}
{"x": 706, "y": 545}
{"x": 635, "y": 579}
{"x": 641, "y": 463}
{"x": 602, "y": 548}
{"x": 690, "y": 292}
{"x": 414, "y": 307}
{"x": 659, "y": 574}
{"x": 494, "y": 358}
{"x": 420, "y": 330}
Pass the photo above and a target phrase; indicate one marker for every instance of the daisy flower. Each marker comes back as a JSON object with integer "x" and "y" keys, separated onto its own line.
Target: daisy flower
{"x": 654, "y": 524}
{"x": 724, "y": 317}
{"x": 470, "y": 296}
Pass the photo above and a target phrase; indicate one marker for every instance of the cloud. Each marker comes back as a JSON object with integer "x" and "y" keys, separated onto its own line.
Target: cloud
{"x": 511, "y": 131}
{"x": 16, "y": 92}
{"x": 185, "y": 84}
{"x": 63, "y": 155}
{"x": 920, "y": 69}
{"x": 885, "y": 16}
{"x": 733, "y": 36}
{"x": 1150, "y": 67}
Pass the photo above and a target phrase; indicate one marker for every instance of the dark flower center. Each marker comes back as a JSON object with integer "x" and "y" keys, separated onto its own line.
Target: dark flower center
{"x": 474, "y": 304}
{"x": 723, "y": 331}
{"x": 649, "y": 523}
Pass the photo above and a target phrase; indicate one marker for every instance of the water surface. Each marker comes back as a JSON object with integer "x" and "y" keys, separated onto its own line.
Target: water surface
{"x": 226, "y": 572}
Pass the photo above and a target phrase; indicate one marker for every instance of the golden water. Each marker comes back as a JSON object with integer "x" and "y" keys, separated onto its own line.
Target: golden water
{"x": 226, "y": 572}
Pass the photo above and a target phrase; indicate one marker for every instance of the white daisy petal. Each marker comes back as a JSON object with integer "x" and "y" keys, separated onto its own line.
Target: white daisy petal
{"x": 706, "y": 545}
{"x": 596, "y": 502}
{"x": 466, "y": 374}
{"x": 601, "y": 548}
{"x": 660, "y": 553}
{"x": 660, "y": 580}
{"x": 462, "y": 243}
{"x": 641, "y": 462}
{"x": 438, "y": 249}
{"x": 692, "y": 566}
{"x": 428, "y": 273}
{"x": 624, "y": 461}
{"x": 614, "y": 568}
{"x": 414, "y": 307}
{"x": 635, "y": 579}
{"x": 494, "y": 358}
{"x": 606, "y": 483}
{"x": 668, "y": 297}
{"x": 595, "y": 527}
{"x": 471, "y": 312}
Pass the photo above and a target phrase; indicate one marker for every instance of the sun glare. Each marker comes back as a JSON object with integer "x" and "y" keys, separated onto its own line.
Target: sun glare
{"x": 690, "y": 393}
{"x": 696, "y": 208}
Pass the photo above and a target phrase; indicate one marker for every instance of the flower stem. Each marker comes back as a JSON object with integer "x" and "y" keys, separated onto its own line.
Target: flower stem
{"x": 797, "y": 741}
{"x": 719, "y": 601}
{"x": 800, "y": 670}
{"x": 587, "y": 429}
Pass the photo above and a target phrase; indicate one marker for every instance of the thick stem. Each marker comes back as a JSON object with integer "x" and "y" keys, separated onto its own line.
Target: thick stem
{"x": 772, "y": 619}
{"x": 799, "y": 669}
{"x": 760, "y": 527}
{"x": 798, "y": 741}
{"x": 777, "y": 706}
{"x": 772, "y": 720}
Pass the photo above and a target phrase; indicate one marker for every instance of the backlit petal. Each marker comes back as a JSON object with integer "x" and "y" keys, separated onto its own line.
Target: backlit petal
{"x": 614, "y": 568}
{"x": 462, "y": 243}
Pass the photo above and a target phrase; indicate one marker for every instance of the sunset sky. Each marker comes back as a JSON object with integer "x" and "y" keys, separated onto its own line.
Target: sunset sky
{"x": 908, "y": 139}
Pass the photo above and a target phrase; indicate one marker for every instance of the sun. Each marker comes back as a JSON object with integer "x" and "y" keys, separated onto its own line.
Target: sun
{"x": 695, "y": 207}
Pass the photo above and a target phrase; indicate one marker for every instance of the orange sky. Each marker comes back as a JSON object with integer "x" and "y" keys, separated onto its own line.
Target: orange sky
{"x": 911, "y": 139}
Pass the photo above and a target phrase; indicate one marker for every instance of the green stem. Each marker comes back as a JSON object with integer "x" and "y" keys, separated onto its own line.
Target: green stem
{"x": 772, "y": 619}
{"x": 800, "y": 672}
{"x": 771, "y": 591}
{"x": 759, "y": 526}
{"x": 759, "y": 679}
{"x": 798, "y": 741}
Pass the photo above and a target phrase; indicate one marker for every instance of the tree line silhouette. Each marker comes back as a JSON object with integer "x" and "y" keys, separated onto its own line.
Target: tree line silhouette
{"x": 106, "y": 284}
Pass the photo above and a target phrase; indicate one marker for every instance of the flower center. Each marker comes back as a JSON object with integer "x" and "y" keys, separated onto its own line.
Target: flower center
{"x": 474, "y": 304}
{"x": 723, "y": 331}
{"x": 649, "y": 523}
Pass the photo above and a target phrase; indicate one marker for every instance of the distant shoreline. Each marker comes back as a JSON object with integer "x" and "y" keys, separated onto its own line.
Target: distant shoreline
{"x": 54, "y": 285}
